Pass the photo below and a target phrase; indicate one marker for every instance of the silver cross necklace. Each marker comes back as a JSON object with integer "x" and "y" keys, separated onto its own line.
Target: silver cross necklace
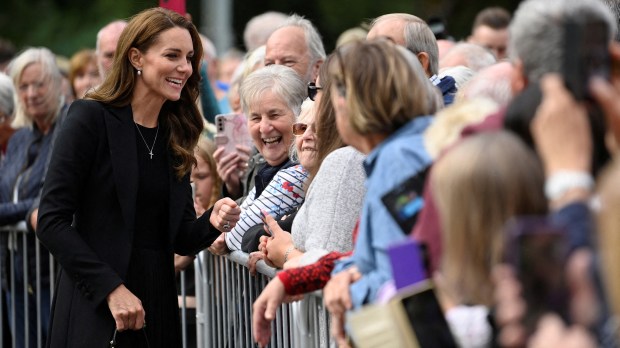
{"x": 145, "y": 143}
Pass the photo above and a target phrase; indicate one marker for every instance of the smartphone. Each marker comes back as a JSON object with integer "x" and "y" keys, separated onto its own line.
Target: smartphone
{"x": 538, "y": 251}
{"x": 174, "y": 5}
{"x": 232, "y": 130}
{"x": 586, "y": 54}
{"x": 406, "y": 201}
{"x": 426, "y": 316}
{"x": 413, "y": 318}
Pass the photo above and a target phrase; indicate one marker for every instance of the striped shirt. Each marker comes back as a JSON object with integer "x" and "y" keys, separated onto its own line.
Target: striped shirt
{"x": 284, "y": 193}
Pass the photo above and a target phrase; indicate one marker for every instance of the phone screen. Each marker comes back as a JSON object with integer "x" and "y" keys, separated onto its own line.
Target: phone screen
{"x": 427, "y": 319}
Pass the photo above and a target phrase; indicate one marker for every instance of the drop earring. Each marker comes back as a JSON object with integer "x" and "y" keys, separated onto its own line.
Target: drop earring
{"x": 139, "y": 72}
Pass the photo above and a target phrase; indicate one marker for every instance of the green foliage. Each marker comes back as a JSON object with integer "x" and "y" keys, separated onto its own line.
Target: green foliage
{"x": 66, "y": 26}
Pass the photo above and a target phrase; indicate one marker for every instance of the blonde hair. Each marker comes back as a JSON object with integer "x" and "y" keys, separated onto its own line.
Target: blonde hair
{"x": 78, "y": 64}
{"x": 205, "y": 149}
{"x": 608, "y": 236}
{"x": 449, "y": 122}
{"x": 478, "y": 186}
{"x": 386, "y": 87}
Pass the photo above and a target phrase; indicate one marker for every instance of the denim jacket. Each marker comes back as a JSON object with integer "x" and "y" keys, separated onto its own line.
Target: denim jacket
{"x": 397, "y": 158}
{"x": 22, "y": 172}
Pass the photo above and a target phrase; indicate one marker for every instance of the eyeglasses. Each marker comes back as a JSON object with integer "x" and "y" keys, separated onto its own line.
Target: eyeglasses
{"x": 300, "y": 128}
{"x": 313, "y": 89}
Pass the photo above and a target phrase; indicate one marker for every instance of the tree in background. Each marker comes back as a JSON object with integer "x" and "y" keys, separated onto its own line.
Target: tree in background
{"x": 65, "y": 26}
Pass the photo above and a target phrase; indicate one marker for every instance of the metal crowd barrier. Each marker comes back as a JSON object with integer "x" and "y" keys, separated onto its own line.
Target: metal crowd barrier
{"x": 225, "y": 292}
{"x": 15, "y": 237}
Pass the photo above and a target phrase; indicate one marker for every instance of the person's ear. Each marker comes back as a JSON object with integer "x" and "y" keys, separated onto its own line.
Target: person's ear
{"x": 424, "y": 60}
{"x": 135, "y": 58}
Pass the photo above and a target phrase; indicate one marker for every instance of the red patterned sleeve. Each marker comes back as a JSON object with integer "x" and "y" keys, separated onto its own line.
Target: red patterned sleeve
{"x": 312, "y": 277}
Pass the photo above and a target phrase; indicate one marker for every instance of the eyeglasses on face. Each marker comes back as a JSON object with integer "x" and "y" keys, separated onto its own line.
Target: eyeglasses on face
{"x": 313, "y": 89}
{"x": 300, "y": 128}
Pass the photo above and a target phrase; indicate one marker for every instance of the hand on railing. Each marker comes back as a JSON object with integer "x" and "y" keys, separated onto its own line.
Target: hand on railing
{"x": 337, "y": 330}
{"x": 181, "y": 262}
{"x": 219, "y": 246}
{"x": 336, "y": 294}
{"x": 253, "y": 260}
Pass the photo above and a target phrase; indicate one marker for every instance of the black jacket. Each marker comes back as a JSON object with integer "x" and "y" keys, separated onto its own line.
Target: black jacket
{"x": 93, "y": 175}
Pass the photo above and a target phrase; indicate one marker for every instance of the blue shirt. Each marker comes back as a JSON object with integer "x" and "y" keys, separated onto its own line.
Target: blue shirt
{"x": 399, "y": 157}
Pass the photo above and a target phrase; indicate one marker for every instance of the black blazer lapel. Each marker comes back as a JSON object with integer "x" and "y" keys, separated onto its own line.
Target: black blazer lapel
{"x": 123, "y": 154}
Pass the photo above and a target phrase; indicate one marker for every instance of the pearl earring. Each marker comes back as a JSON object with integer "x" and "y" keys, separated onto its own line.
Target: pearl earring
{"x": 139, "y": 72}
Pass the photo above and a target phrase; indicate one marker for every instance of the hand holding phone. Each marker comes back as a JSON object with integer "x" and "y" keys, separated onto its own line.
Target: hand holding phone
{"x": 232, "y": 131}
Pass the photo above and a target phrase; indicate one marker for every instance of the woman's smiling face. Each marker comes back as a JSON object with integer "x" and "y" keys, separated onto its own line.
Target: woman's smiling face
{"x": 270, "y": 121}
{"x": 166, "y": 66}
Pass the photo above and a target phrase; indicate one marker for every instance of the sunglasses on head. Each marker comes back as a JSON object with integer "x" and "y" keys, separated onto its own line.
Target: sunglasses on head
{"x": 313, "y": 89}
{"x": 300, "y": 128}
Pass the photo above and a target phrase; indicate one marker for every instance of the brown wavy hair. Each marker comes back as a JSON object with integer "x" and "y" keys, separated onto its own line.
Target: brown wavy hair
{"x": 328, "y": 138}
{"x": 181, "y": 117}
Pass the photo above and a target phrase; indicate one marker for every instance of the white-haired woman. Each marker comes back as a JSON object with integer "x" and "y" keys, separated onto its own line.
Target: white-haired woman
{"x": 271, "y": 98}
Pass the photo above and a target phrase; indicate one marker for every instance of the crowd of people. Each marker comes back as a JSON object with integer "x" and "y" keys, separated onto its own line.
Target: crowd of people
{"x": 494, "y": 156}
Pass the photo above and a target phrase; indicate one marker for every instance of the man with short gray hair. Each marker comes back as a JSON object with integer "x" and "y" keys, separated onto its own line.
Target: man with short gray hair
{"x": 296, "y": 44}
{"x": 107, "y": 39}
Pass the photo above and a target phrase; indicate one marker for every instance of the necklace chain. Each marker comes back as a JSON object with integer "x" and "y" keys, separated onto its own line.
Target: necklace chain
{"x": 145, "y": 143}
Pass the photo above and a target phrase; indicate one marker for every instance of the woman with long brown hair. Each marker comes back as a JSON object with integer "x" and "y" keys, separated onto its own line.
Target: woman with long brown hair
{"x": 117, "y": 200}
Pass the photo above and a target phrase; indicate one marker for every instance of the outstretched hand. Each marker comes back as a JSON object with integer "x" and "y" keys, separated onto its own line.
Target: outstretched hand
{"x": 225, "y": 214}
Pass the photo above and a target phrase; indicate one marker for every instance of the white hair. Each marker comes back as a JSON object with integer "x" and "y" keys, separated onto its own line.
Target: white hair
{"x": 461, "y": 74}
{"x": 470, "y": 55}
{"x": 7, "y": 92}
{"x": 259, "y": 28}
{"x": 281, "y": 80}
{"x": 114, "y": 27}
{"x": 493, "y": 82}
{"x": 208, "y": 48}
{"x": 313, "y": 39}
{"x": 536, "y": 32}
{"x": 418, "y": 36}
{"x": 49, "y": 74}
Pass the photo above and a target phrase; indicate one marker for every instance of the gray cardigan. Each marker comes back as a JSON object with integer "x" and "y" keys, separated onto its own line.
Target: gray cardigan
{"x": 333, "y": 203}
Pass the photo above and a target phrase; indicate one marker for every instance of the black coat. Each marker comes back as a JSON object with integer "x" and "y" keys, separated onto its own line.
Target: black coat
{"x": 93, "y": 176}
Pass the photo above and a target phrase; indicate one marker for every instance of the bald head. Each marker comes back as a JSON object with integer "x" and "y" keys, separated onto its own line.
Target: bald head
{"x": 107, "y": 39}
{"x": 389, "y": 28}
{"x": 410, "y": 32}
